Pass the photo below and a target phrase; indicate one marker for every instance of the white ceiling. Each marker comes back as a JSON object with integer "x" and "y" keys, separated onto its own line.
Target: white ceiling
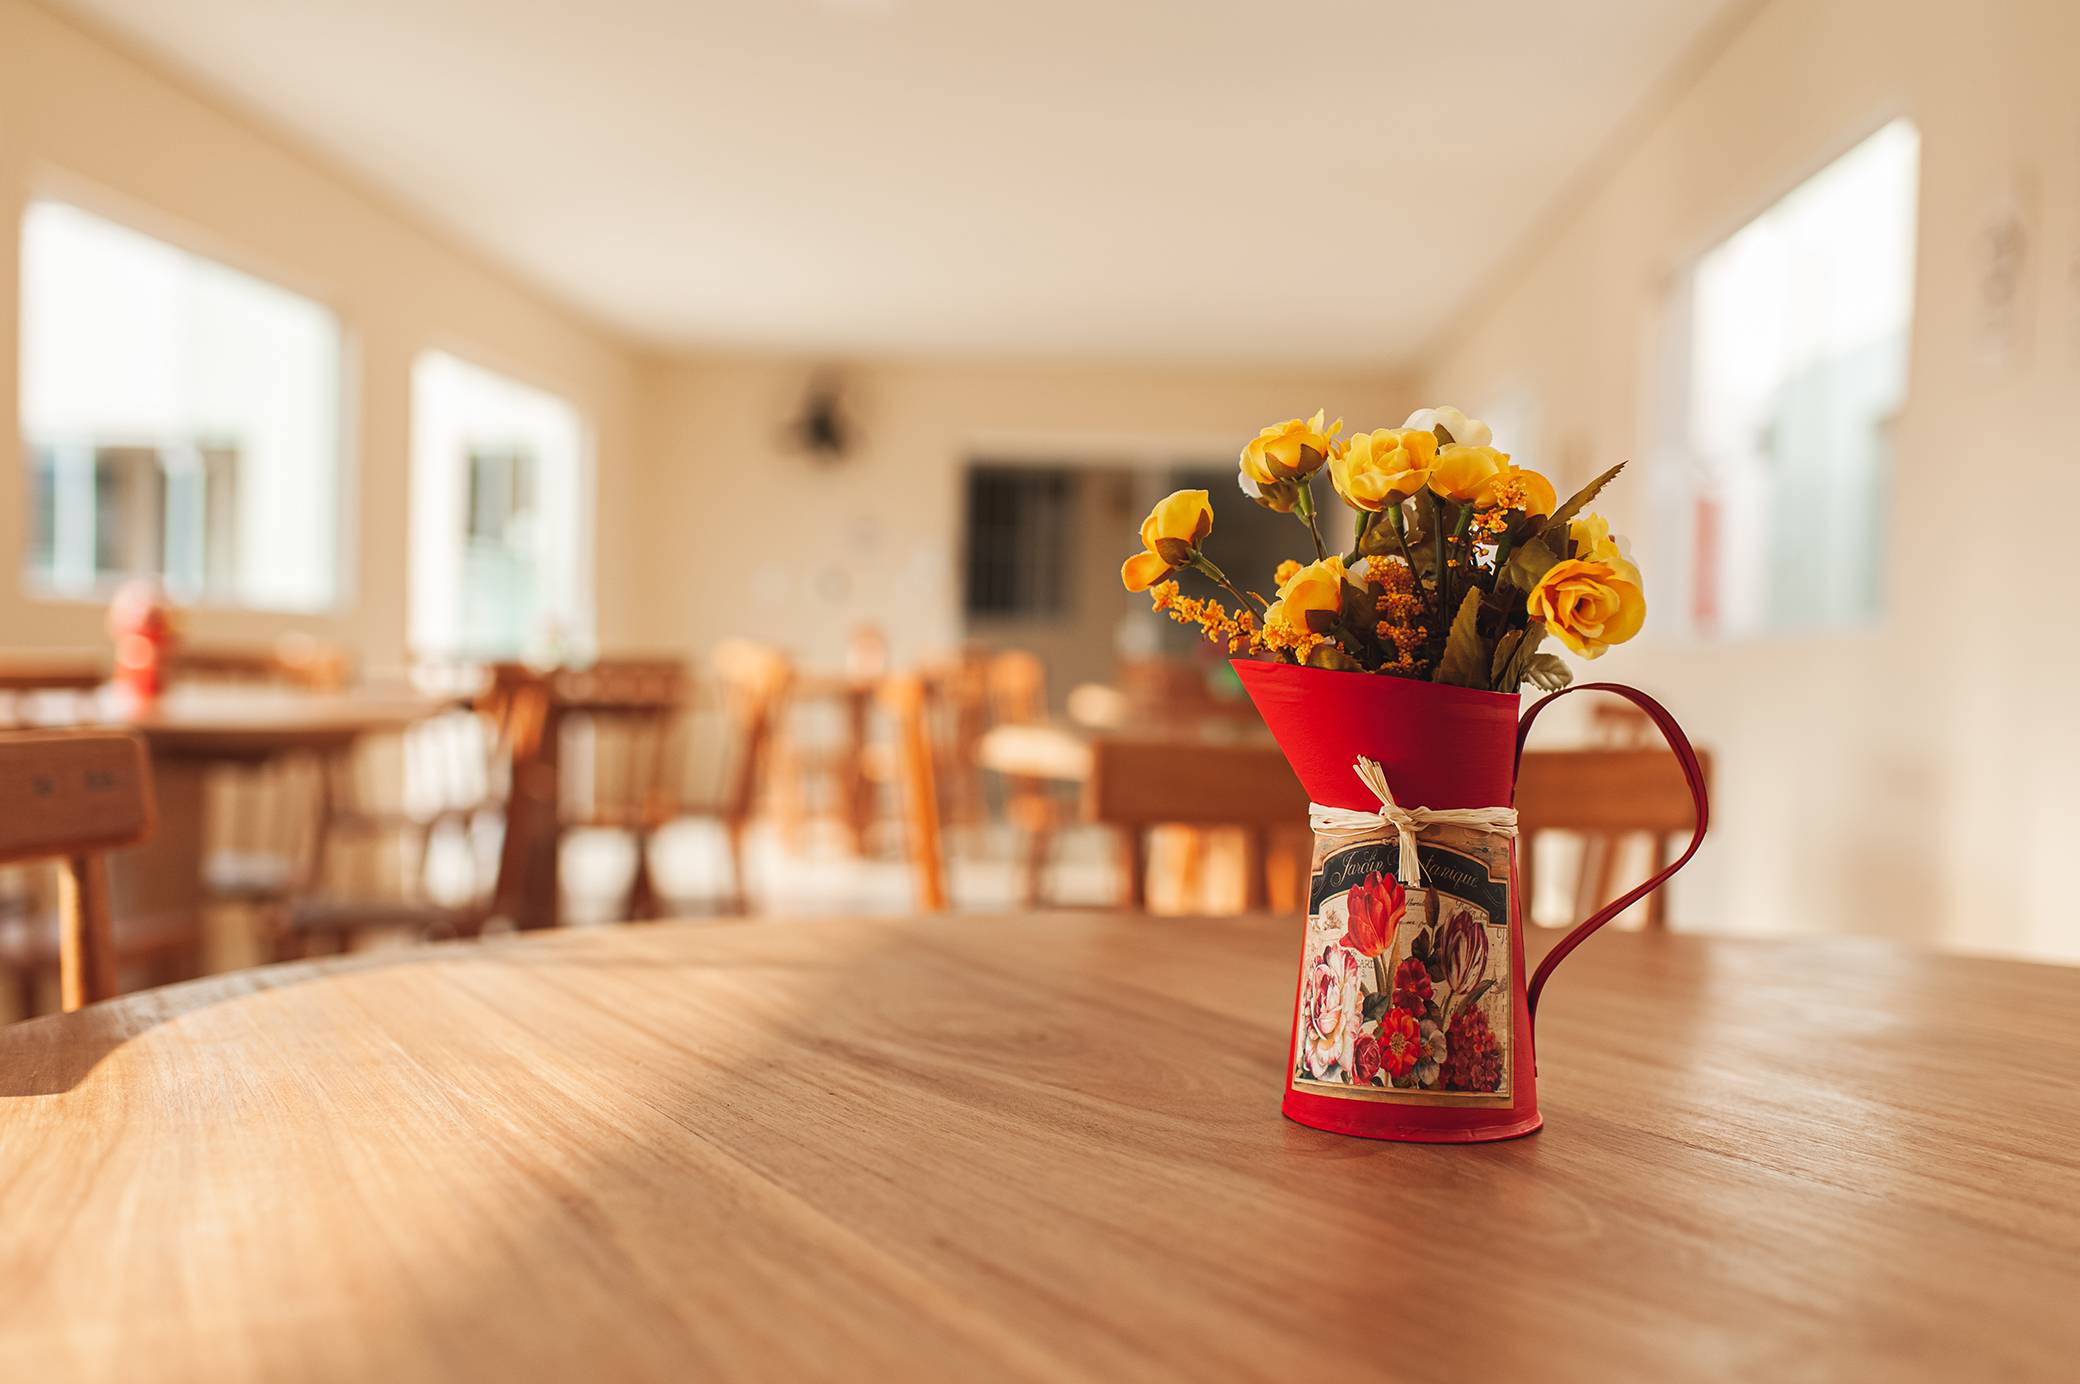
{"x": 1314, "y": 181}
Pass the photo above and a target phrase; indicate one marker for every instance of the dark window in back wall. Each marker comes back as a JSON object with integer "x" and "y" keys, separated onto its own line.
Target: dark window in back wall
{"x": 1018, "y": 541}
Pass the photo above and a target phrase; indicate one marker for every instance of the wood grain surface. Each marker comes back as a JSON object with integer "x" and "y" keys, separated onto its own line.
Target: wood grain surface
{"x": 1029, "y": 1148}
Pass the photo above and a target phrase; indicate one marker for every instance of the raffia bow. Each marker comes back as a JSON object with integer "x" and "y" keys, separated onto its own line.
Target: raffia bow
{"x": 1349, "y": 826}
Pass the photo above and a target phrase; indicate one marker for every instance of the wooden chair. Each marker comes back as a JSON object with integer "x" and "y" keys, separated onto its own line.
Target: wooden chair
{"x": 908, "y": 698}
{"x": 1137, "y": 784}
{"x": 292, "y": 661}
{"x": 1037, "y": 811}
{"x": 74, "y": 796}
{"x": 266, "y": 820}
{"x": 1608, "y": 793}
{"x": 369, "y": 866}
{"x": 41, "y": 689}
{"x": 741, "y": 716}
{"x": 627, "y": 713}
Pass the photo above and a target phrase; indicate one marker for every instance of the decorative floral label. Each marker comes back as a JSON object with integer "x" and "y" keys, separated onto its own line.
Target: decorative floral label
{"x": 1406, "y": 992}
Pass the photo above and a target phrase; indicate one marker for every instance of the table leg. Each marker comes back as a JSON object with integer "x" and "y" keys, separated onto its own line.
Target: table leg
{"x": 529, "y": 881}
{"x": 164, "y": 875}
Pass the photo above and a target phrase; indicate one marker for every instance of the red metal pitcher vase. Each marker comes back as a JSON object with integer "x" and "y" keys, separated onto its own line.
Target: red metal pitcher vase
{"x": 1413, "y": 1015}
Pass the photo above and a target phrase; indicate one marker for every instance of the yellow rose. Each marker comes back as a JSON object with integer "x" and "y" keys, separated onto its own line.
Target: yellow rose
{"x": 1515, "y": 488}
{"x": 1454, "y": 424}
{"x": 1170, "y": 536}
{"x": 1382, "y": 468}
{"x": 1588, "y": 604}
{"x": 1290, "y": 451}
{"x": 1593, "y": 541}
{"x": 1463, "y": 469}
{"x": 1311, "y": 598}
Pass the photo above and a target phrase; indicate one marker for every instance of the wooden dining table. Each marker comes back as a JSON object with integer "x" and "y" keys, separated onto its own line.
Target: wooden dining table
{"x": 191, "y": 731}
{"x": 1042, "y": 1146}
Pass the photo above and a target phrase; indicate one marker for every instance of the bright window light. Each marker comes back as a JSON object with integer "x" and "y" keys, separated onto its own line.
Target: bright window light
{"x": 181, "y": 420}
{"x": 501, "y": 509}
{"x": 1792, "y": 363}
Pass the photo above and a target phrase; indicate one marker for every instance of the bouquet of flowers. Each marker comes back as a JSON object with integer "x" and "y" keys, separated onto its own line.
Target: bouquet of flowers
{"x": 1459, "y": 563}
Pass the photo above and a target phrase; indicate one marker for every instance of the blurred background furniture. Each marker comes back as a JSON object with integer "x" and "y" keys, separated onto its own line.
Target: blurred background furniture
{"x": 1604, "y": 797}
{"x": 73, "y": 796}
{"x": 1138, "y": 785}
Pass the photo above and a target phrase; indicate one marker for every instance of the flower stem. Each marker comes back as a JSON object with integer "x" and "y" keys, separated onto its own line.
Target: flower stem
{"x": 1444, "y": 606}
{"x": 1203, "y": 565}
{"x": 1304, "y": 507}
{"x": 1399, "y": 520}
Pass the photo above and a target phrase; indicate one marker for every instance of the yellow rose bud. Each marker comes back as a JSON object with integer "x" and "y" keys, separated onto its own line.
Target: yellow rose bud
{"x": 1515, "y": 488}
{"x": 1311, "y": 598}
{"x": 1170, "y": 536}
{"x": 1593, "y": 541}
{"x": 1588, "y": 604}
{"x": 1462, "y": 469}
{"x": 1290, "y": 451}
{"x": 1382, "y": 468}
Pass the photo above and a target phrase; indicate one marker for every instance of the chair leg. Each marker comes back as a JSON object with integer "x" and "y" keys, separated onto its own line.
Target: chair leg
{"x": 642, "y": 890}
{"x": 86, "y": 949}
{"x": 1134, "y": 868}
{"x": 28, "y": 992}
{"x": 1039, "y": 845}
{"x": 737, "y": 898}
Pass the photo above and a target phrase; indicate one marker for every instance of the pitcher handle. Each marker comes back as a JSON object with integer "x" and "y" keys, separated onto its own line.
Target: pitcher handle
{"x": 1693, "y": 774}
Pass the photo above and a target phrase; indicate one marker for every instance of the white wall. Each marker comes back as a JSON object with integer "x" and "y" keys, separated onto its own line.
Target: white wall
{"x": 742, "y": 536}
{"x": 1916, "y": 779}
{"x": 81, "y": 120}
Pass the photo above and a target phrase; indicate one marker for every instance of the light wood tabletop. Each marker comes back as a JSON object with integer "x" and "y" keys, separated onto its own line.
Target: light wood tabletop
{"x": 244, "y": 723}
{"x": 1040, "y": 1147}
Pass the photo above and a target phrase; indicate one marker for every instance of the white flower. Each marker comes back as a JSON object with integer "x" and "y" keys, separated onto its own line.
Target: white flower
{"x": 1332, "y": 1009}
{"x": 1471, "y": 431}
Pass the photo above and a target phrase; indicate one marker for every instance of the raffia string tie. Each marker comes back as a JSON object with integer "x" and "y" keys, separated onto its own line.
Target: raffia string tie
{"x": 1343, "y": 826}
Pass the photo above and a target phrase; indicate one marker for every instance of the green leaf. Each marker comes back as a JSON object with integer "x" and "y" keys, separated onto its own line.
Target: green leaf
{"x": 1548, "y": 673}
{"x": 1328, "y": 655}
{"x": 1356, "y": 611}
{"x": 1505, "y": 650}
{"x": 1378, "y": 540}
{"x": 1512, "y": 675}
{"x": 1473, "y": 996}
{"x": 1376, "y": 1005}
{"x": 1465, "y": 662}
{"x": 1529, "y": 562}
{"x": 1558, "y": 523}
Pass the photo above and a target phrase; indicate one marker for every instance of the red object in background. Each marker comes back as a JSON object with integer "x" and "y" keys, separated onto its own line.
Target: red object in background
{"x": 1441, "y": 747}
{"x": 141, "y": 623}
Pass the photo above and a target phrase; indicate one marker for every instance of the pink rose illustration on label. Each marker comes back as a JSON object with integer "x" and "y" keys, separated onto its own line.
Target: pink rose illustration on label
{"x": 1332, "y": 1010}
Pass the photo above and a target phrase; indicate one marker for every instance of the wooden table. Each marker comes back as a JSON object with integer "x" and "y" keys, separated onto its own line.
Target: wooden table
{"x": 1033, "y": 1148}
{"x": 191, "y": 730}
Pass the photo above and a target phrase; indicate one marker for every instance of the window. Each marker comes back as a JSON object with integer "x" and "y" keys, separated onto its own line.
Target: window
{"x": 500, "y": 516}
{"x": 181, "y": 420}
{"x": 1792, "y": 363}
{"x": 1018, "y": 541}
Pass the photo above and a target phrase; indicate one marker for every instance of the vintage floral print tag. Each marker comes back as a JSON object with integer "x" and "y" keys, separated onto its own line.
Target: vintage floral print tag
{"x": 1405, "y": 992}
